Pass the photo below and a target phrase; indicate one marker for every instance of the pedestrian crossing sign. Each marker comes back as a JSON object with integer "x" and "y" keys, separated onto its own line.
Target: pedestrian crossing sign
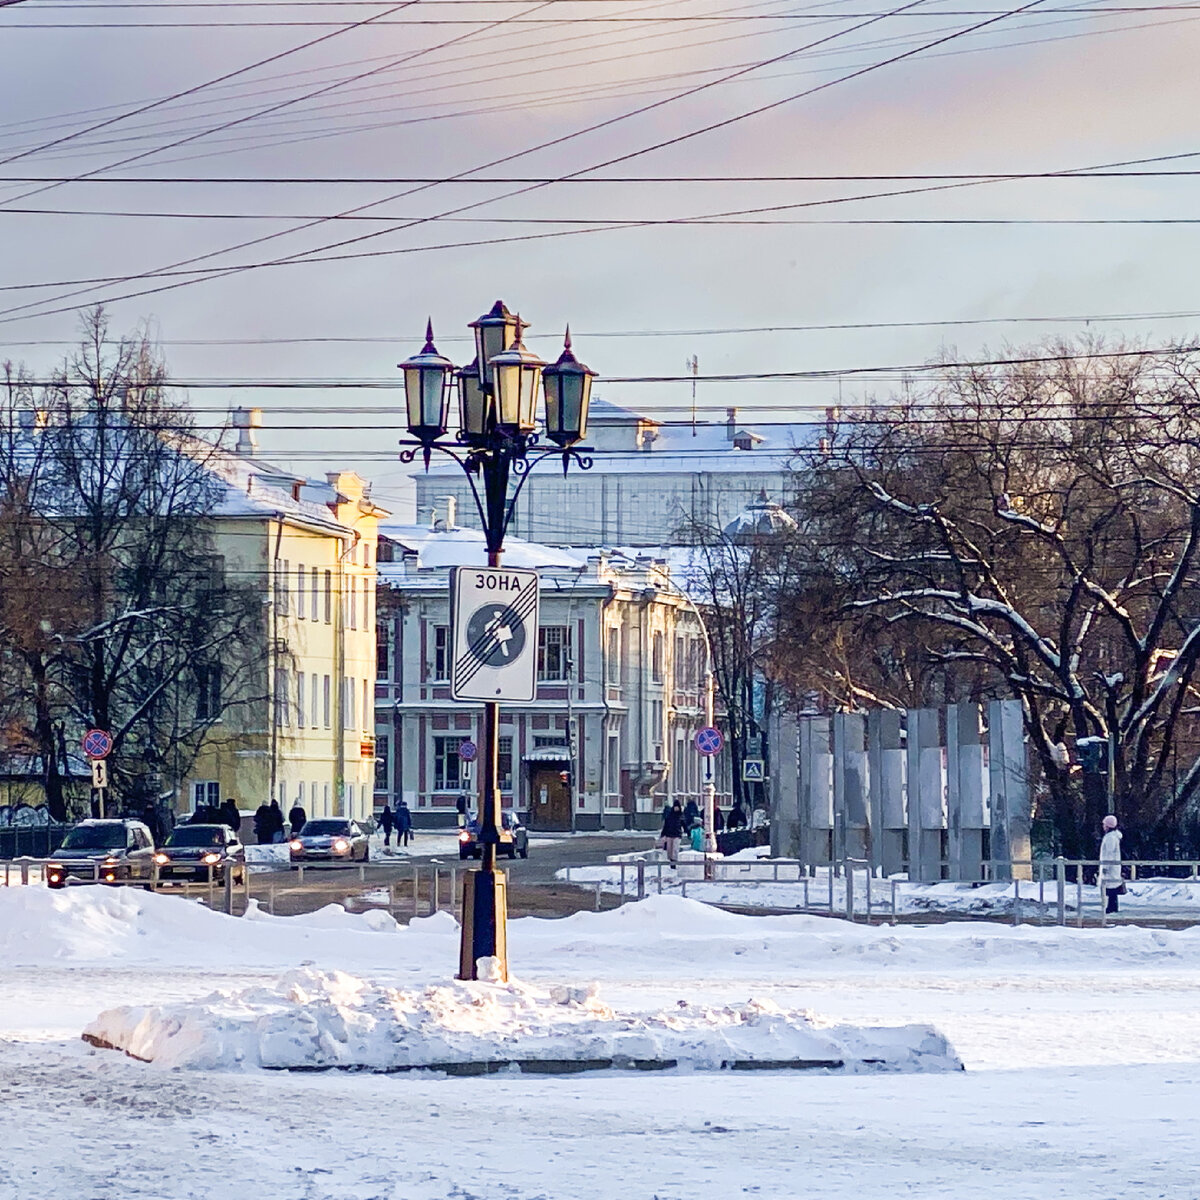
{"x": 753, "y": 770}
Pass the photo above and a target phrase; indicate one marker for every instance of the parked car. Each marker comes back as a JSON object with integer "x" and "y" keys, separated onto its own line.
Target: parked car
{"x": 514, "y": 838}
{"x": 330, "y": 839}
{"x": 103, "y": 851}
{"x": 193, "y": 851}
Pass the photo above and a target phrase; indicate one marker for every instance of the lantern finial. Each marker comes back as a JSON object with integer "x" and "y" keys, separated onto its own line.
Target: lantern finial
{"x": 567, "y": 339}
{"x": 429, "y": 348}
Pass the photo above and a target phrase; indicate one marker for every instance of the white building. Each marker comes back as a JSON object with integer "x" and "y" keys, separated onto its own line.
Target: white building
{"x": 621, "y": 665}
{"x": 650, "y": 480}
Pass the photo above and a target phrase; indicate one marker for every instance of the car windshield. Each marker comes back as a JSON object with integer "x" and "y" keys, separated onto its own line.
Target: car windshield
{"x": 95, "y": 837}
{"x": 320, "y": 828}
{"x": 198, "y": 835}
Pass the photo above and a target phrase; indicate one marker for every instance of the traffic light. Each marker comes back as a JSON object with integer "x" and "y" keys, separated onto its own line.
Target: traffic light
{"x": 565, "y": 777}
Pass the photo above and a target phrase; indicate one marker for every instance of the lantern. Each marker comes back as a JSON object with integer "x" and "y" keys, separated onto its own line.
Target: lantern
{"x": 427, "y": 391}
{"x": 496, "y": 331}
{"x": 516, "y": 376}
{"x": 568, "y": 386}
{"x": 474, "y": 405}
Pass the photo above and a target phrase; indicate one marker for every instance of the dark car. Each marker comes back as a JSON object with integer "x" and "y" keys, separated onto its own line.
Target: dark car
{"x": 194, "y": 852}
{"x": 100, "y": 851}
{"x": 330, "y": 839}
{"x": 514, "y": 838}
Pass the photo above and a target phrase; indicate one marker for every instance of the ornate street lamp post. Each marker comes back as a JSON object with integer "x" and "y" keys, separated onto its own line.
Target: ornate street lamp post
{"x": 497, "y": 445}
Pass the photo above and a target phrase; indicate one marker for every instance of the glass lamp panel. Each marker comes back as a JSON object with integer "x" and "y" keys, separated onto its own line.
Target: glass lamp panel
{"x": 531, "y": 378}
{"x": 426, "y": 399}
{"x": 507, "y": 379}
{"x": 473, "y": 403}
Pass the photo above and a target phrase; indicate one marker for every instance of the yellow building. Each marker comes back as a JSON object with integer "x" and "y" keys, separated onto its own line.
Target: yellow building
{"x": 301, "y": 725}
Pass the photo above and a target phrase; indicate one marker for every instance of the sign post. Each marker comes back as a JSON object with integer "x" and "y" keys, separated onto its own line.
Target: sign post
{"x": 97, "y": 745}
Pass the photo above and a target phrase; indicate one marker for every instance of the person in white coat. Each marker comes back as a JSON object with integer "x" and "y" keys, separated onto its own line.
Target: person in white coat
{"x": 1109, "y": 877}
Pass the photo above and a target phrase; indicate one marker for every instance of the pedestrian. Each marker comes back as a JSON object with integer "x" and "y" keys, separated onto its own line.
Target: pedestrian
{"x": 231, "y": 816}
{"x": 737, "y": 817}
{"x": 276, "y": 822}
{"x": 672, "y": 831}
{"x": 691, "y": 814}
{"x": 1109, "y": 878}
{"x": 403, "y": 823}
{"x": 296, "y": 818}
{"x": 263, "y": 825}
{"x": 697, "y": 836}
{"x": 718, "y": 819}
{"x": 387, "y": 819}
{"x": 151, "y": 820}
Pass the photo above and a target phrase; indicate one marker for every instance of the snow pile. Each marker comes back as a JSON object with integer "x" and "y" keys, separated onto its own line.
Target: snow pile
{"x": 313, "y": 1020}
{"x": 271, "y": 856}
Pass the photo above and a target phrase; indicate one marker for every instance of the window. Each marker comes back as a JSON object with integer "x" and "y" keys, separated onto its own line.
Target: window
{"x": 656, "y": 657}
{"x": 554, "y": 652}
{"x": 504, "y": 771}
{"x": 301, "y": 578}
{"x": 441, "y": 652}
{"x": 315, "y": 581}
{"x": 679, "y": 664}
{"x": 208, "y": 692}
{"x": 549, "y": 739}
{"x": 353, "y": 603}
{"x": 612, "y": 765}
{"x": 281, "y": 697}
{"x": 206, "y": 792}
{"x": 366, "y": 554}
{"x": 614, "y": 655}
{"x": 381, "y": 762}
{"x": 301, "y": 708}
{"x": 382, "y": 650}
{"x": 285, "y": 589}
{"x": 315, "y": 694}
{"x": 348, "y": 703}
{"x": 328, "y": 597}
{"x": 366, "y": 707}
{"x": 326, "y": 690}
{"x": 366, "y": 601}
{"x": 277, "y": 584}
{"x": 211, "y": 581}
{"x": 446, "y": 776}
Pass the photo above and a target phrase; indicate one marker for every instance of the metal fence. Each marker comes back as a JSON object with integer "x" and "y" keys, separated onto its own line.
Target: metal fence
{"x": 32, "y": 841}
{"x": 1056, "y": 891}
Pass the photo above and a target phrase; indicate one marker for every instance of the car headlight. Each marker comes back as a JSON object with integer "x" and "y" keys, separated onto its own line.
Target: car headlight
{"x": 161, "y": 858}
{"x": 54, "y": 876}
{"x": 296, "y": 844}
{"x": 341, "y": 846}
{"x": 210, "y": 858}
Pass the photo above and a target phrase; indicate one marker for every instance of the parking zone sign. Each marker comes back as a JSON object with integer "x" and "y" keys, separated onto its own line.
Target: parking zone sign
{"x": 494, "y": 616}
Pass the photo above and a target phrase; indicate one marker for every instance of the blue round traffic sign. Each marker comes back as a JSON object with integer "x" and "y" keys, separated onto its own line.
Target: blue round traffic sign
{"x": 467, "y": 751}
{"x": 97, "y": 743}
{"x": 709, "y": 740}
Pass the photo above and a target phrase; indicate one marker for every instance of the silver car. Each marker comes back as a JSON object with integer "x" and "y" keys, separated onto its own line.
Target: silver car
{"x": 330, "y": 839}
{"x": 102, "y": 851}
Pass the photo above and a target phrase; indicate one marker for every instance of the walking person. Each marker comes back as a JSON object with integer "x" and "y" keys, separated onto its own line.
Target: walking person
{"x": 263, "y": 827}
{"x": 296, "y": 818}
{"x": 1109, "y": 877}
{"x": 231, "y": 816}
{"x": 387, "y": 822}
{"x": 672, "y": 831}
{"x": 403, "y": 824}
{"x": 276, "y": 814}
{"x": 697, "y": 836}
{"x": 691, "y": 814}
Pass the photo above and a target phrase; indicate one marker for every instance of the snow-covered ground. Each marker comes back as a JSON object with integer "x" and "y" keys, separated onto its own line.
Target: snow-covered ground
{"x": 1080, "y": 1049}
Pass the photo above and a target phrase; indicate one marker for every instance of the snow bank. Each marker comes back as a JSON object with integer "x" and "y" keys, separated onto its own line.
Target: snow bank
{"x": 270, "y": 856}
{"x": 313, "y": 1020}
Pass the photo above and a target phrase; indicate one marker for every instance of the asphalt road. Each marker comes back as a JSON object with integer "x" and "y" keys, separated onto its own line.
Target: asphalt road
{"x": 532, "y": 890}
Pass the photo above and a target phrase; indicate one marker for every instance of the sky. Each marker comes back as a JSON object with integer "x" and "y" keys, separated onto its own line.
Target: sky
{"x": 155, "y": 156}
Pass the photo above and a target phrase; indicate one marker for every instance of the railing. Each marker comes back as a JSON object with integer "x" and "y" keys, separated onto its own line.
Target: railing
{"x": 1054, "y": 892}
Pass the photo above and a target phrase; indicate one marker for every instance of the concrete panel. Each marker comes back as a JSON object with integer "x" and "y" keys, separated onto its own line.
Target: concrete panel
{"x": 926, "y": 795}
{"x": 785, "y": 786}
{"x": 1008, "y": 777}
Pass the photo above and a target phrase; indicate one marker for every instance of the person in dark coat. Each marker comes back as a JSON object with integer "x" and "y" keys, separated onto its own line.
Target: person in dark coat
{"x": 263, "y": 824}
{"x": 276, "y": 822}
{"x": 672, "y": 831}
{"x": 737, "y": 818}
{"x": 230, "y": 815}
{"x": 691, "y": 814}
{"x": 387, "y": 822}
{"x": 296, "y": 818}
{"x": 150, "y": 819}
{"x": 403, "y": 823}
{"x": 718, "y": 819}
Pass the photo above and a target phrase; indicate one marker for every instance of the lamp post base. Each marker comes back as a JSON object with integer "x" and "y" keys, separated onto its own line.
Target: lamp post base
{"x": 484, "y": 923}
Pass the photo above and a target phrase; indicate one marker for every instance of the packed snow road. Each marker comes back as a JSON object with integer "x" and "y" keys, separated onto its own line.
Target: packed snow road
{"x": 1080, "y": 1048}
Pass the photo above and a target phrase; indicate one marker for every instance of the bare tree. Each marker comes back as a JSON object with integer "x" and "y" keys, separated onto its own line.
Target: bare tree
{"x": 1037, "y": 524}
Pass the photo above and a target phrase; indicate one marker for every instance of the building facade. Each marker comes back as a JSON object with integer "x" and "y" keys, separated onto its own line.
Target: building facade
{"x": 620, "y": 692}
{"x": 651, "y": 484}
{"x": 301, "y": 727}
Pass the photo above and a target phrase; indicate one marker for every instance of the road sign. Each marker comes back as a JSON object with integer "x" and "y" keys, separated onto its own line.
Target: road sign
{"x": 494, "y": 614}
{"x": 753, "y": 770}
{"x": 709, "y": 740}
{"x": 99, "y": 773}
{"x": 467, "y": 751}
{"x": 97, "y": 743}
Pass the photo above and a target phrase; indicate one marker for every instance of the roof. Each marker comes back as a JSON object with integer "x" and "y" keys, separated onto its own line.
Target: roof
{"x": 438, "y": 549}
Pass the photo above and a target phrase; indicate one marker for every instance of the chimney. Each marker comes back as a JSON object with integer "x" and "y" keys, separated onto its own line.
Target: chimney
{"x": 451, "y": 503}
{"x": 246, "y": 421}
{"x": 730, "y": 423}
